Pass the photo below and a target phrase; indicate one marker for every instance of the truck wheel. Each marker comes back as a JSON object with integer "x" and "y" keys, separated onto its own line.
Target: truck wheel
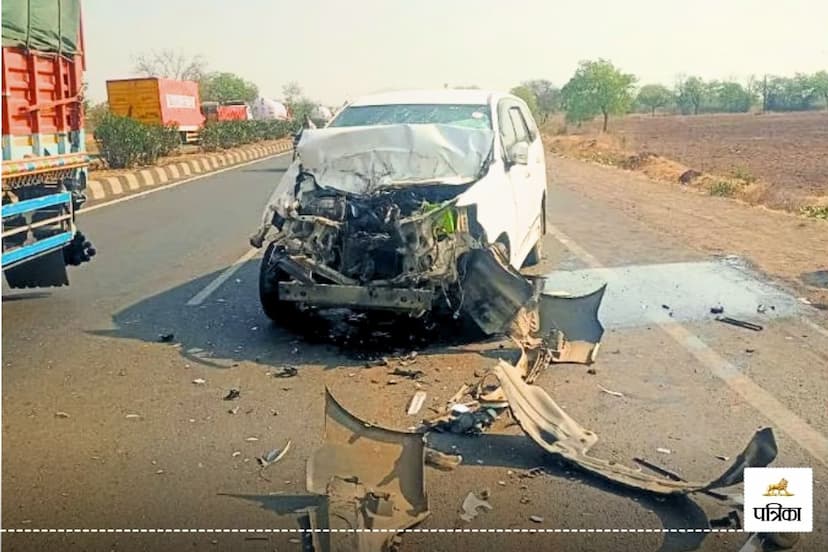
{"x": 269, "y": 278}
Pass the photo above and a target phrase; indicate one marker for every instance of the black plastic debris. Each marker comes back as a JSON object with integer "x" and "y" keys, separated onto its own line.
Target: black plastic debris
{"x": 718, "y": 309}
{"x": 232, "y": 395}
{"x": 286, "y": 372}
{"x": 166, "y": 337}
{"x": 739, "y": 323}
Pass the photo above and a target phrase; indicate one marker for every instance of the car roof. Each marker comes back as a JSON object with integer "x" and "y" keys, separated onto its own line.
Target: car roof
{"x": 439, "y": 96}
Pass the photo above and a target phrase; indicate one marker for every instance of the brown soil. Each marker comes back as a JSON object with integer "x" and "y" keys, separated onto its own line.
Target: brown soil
{"x": 786, "y": 152}
{"x": 784, "y": 245}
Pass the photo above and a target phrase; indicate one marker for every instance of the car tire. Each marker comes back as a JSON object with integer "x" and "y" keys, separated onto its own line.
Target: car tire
{"x": 536, "y": 254}
{"x": 269, "y": 279}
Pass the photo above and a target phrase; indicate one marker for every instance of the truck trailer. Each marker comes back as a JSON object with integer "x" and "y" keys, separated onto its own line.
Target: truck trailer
{"x": 44, "y": 165}
{"x": 153, "y": 100}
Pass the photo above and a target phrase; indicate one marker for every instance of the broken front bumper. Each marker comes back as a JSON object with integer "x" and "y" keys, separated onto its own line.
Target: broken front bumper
{"x": 334, "y": 295}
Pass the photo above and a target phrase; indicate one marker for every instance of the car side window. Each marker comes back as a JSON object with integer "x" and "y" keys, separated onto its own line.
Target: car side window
{"x": 530, "y": 124}
{"x": 521, "y": 128}
{"x": 508, "y": 134}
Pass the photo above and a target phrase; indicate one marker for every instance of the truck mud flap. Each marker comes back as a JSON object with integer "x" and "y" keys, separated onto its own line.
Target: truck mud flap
{"x": 48, "y": 270}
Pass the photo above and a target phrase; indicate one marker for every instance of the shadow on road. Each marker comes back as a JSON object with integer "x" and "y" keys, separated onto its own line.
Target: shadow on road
{"x": 229, "y": 327}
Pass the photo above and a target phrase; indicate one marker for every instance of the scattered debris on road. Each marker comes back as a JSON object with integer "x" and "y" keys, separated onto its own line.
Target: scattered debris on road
{"x": 61, "y": 414}
{"x": 472, "y": 505}
{"x": 232, "y": 395}
{"x": 199, "y": 381}
{"x": 739, "y": 323}
{"x": 410, "y": 374}
{"x": 662, "y": 450}
{"x": 441, "y": 460}
{"x": 273, "y": 456}
{"x": 416, "y": 403}
{"x": 166, "y": 337}
{"x": 287, "y": 371}
{"x": 718, "y": 309}
{"x": 536, "y": 519}
{"x": 554, "y": 431}
{"x": 610, "y": 391}
{"x": 370, "y": 478}
{"x": 133, "y": 416}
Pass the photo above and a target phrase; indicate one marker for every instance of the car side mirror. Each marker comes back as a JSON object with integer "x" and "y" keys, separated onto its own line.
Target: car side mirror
{"x": 519, "y": 153}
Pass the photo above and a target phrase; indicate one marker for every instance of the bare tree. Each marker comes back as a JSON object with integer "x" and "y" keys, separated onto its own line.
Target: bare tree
{"x": 170, "y": 65}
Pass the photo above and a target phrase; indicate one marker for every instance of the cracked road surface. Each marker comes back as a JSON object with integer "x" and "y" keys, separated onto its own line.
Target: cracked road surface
{"x": 104, "y": 427}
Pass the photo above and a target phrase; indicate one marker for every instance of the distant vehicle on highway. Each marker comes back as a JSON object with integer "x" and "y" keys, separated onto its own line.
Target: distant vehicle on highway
{"x": 153, "y": 100}
{"x": 226, "y": 111}
{"x": 380, "y": 208}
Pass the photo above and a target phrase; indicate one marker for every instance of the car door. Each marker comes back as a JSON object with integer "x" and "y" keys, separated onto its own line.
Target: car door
{"x": 514, "y": 174}
{"x": 525, "y": 178}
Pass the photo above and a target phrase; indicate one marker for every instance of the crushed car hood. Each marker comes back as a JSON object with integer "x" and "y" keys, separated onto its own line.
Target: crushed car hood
{"x": 361, "y": 160}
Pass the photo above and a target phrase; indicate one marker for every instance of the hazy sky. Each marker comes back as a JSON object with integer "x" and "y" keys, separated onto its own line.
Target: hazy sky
{"x": 338, "y": 49}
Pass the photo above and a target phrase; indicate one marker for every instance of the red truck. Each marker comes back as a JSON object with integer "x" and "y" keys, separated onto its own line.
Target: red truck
{"x": 44, "y": 159}
{"x": 228, "y": 111}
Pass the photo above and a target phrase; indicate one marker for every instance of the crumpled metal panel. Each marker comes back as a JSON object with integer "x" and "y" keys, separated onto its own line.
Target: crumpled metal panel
{"x": 554, "y": 431}
{"x": 373, "y": 478}
{"x": 360, "y": 160}
{"x": 493, "y": 293}
{"x": 577, "y": 319}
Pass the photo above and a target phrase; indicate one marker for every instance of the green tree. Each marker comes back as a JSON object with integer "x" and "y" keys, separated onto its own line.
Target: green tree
{"x": 820, "y": 84}
{"x": 300, "y": 106}
{"x": 525, "y": 94}
{"x": 597, "y": 87}
{"x": 548, "y": 97}
{"x": 730, "y": 97}
{"x": 226, "y": 87}
{"x": 653, "y": 96}
{"x": 798, "y": 93}
{"x": 691, "y": 94}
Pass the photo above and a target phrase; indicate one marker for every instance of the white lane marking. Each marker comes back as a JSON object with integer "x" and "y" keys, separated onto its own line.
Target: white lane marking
{"x": 173, "y": 185}
{"x": 199, "y": 297}
{"x": 814, "y": 326}
{"x": 760, "y": 399}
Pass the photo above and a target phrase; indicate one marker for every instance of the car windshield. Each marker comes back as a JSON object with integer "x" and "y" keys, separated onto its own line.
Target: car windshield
{"x": 471, "y": 116}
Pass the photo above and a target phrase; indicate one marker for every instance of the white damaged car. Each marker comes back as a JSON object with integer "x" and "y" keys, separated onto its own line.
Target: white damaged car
{"x": 381, "y": 208}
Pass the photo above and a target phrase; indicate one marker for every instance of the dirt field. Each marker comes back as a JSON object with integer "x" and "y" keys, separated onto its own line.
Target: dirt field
{"x": 786, "y": 151}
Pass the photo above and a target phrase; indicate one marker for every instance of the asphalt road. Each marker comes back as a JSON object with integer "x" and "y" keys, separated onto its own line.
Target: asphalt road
{"x": 104, "y": 428}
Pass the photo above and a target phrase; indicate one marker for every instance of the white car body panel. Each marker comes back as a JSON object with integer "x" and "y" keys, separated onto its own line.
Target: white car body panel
{"x": 509, "y": 197}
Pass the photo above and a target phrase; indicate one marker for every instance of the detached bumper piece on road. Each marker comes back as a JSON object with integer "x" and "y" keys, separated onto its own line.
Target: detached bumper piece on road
{"x": 362, "y": 478}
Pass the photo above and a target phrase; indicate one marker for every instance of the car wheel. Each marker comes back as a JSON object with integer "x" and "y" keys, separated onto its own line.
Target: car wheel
{"x": 269, "y": 278}
{"x": 536, "y": 254}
